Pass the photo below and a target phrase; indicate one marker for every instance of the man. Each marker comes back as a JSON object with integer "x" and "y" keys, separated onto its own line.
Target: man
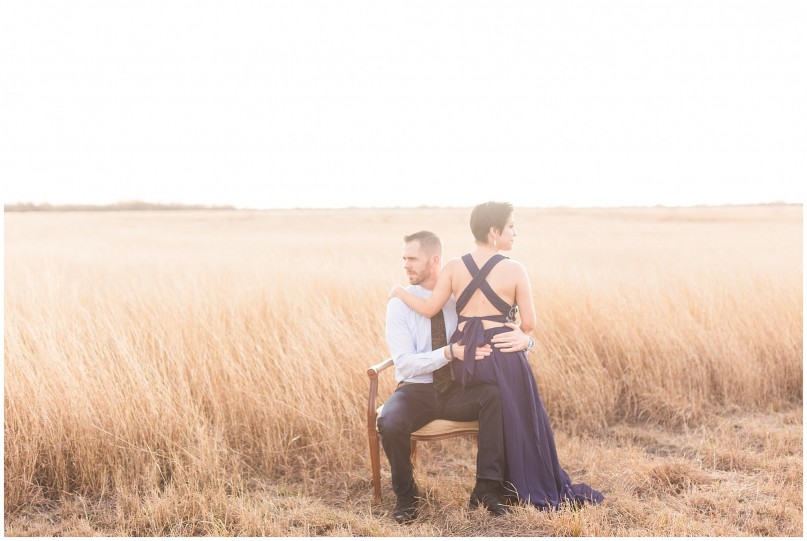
{"x": 418, "y": 353}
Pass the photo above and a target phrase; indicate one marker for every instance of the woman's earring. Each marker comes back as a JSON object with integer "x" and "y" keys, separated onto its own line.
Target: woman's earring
{"x": 494, "y": 243}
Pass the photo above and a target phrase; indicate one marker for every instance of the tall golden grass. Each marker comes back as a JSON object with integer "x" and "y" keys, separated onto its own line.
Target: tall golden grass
{"x": 206, "y": 354}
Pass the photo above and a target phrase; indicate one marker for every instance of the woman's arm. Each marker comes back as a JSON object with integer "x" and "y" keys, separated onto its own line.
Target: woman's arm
{"x": 526, "y": 309}
{"x": 432, "y": 305}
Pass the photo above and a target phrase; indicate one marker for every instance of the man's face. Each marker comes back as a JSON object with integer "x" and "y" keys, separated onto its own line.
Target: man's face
{"x": 416, "y": 263}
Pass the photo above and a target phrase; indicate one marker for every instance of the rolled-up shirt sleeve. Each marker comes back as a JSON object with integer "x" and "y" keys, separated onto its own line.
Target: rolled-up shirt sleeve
{"x": 403, "y": 347}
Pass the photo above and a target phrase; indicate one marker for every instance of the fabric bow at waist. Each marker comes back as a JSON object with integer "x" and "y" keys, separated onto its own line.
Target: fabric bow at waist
{"x": 473, "y": 336}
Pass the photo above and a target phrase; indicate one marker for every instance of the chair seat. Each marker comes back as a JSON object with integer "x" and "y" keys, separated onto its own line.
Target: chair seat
{"x": 442, "y": 427}
{"x": 436, "y": 430}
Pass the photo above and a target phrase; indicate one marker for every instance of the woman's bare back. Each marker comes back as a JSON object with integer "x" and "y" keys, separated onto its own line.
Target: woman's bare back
{"x": 503, "y": 279}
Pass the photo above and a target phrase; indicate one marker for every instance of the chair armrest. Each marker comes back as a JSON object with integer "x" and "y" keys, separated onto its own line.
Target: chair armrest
{"x": 383, "y": 365}
{"x": 372, "y": 373}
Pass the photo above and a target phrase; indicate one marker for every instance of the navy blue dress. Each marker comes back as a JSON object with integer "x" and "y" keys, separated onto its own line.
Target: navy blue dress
{"x": 533, "y": 473}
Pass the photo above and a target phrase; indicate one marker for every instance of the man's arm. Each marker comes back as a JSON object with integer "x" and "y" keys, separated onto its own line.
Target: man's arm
{"x": 402, "y": 345}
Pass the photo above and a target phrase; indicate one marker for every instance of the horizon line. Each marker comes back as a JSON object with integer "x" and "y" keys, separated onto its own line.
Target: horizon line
{"x": 139, "y": 205}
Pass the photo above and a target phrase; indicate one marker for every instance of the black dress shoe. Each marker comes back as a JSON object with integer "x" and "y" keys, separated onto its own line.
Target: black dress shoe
{"x": 406, "y": 508}
{"x": 488, "y": 494}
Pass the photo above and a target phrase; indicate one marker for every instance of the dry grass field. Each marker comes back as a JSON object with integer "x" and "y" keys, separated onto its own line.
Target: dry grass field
{"x": 203, "y": 373}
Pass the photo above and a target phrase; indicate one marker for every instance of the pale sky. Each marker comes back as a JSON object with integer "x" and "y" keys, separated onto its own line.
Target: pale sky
{"x": 271, "y": 104}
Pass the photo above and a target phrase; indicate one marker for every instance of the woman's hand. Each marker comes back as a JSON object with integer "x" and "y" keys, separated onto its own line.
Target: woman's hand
{"x": 514, "y": 340}
{"x": 396, "y": 292}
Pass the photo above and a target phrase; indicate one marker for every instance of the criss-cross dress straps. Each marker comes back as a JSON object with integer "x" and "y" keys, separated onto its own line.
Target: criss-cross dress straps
{"x": 473, "y": 333}
{"x": 479, "y": 282}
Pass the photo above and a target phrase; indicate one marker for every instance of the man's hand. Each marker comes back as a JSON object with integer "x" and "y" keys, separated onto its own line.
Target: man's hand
{"x": 514, "y": 340}
{"x": 459, "y": 352}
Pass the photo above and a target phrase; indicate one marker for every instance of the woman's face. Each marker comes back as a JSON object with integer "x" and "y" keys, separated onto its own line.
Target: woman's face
{"x": 504, "y": 241}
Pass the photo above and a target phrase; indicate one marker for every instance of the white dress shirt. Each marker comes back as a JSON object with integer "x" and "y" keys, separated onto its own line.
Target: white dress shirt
{"x": 409, "y": 337}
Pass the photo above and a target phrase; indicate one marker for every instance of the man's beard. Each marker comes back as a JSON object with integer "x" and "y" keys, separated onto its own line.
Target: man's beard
{"x": 418, "y": 278}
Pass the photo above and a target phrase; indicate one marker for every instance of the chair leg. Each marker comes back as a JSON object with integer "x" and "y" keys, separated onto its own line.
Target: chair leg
{"x": 375, "y": 463}
{"x": 413, "y": 455}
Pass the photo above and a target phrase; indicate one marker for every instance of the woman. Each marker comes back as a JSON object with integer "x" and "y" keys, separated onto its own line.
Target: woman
{"x": 490, "y": 289}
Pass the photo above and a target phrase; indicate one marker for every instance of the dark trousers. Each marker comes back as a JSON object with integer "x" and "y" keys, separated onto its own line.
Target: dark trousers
{"x": 413, "y": 406}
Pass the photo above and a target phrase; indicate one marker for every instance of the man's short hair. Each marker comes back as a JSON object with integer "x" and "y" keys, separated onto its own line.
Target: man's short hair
{"x": 487, "y": 215}
{"x": 429, "y": 242}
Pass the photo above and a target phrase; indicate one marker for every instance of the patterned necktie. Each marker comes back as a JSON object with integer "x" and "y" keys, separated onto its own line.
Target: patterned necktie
{"x": 442, "y": 376}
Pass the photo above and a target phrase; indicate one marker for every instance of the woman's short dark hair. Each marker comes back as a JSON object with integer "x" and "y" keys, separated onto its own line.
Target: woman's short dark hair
{"x": 487, "y": 215}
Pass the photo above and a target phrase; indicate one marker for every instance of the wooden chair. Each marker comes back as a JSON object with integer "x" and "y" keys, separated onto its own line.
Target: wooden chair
{"x": 436, "y": 430}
